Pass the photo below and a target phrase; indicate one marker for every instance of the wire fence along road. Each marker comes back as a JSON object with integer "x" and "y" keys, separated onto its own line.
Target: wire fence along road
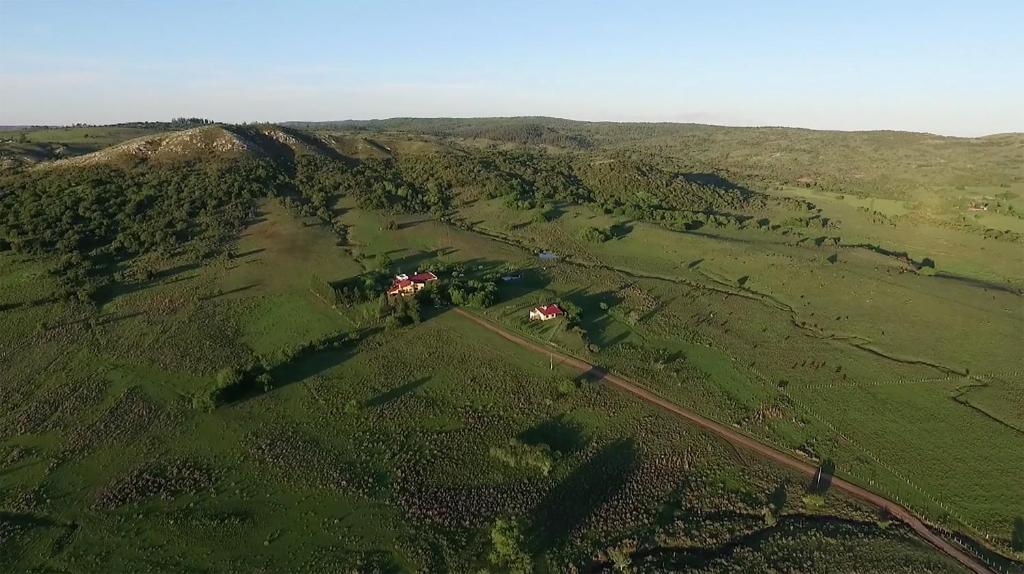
{"x": 737, "y": 438}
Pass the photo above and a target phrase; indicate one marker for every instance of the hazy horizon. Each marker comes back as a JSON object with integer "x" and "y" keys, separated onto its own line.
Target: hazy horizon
{"x": 930, "y": 67}
{"x": 471, "y": 118}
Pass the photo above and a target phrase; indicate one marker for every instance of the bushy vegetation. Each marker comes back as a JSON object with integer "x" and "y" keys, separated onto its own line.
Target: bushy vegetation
{"x": 93, "y": 218}
{"x": 518, "y": 454}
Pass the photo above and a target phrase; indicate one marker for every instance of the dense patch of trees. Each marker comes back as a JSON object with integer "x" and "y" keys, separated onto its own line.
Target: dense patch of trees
{"x": 359, "y": 289}
{"x": 399, "y": 311}
{"x": 93, "y": 217}
{"x": 189, "y": 122}
{"x": 375, "y": 183}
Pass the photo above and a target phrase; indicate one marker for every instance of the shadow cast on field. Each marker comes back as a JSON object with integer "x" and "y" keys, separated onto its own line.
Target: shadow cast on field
{"x": 529, "y": 280}
{"x": 396, "y": 393}
{"x": 563, "y": 436}
{"x": 596, "y": 320}
{"x": 176, "y": 274}
{"x": 117, "y": 318}
{"x": 413, "y": 223}
{"x": 568, "y": 505}
{"x": 620, "y": 230}
{"x": 27, "y": 520}
{"x": 554, "y": 214}
{"x": 248, "y": 253}
{"x": 714, "y": 180}
{"x": 333, "y": 353}
{"x": 221, "y": 294}
{"x": 415, "y": 261}
{"x": 592, "y": 375}
{"x": 676, "y": 559}
{"x": 310, "y": 365}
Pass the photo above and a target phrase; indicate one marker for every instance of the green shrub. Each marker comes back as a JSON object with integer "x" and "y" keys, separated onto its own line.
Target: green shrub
{"x": 508, "y": 544}
{"x": 595, "y": 235}
{"x": 522, "y": 455}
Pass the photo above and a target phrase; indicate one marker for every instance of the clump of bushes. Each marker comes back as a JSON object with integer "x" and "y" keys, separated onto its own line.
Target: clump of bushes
{"x": 399, "y": 311}
{"x": 595, "y": 235}
{"x": 521, "y": 455}
{"x": 508, "y": 545}
{"x": 473, "y": 293}
{"x": 360, "y": 289}
{"x": 237, "y": 382}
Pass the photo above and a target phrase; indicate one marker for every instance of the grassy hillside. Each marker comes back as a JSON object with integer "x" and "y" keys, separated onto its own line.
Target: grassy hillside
{"x": 198, "y": 348}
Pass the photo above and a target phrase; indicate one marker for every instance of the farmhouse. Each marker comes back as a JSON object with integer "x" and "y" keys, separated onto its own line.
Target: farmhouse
{"x": 410, "y": 284}
{"x": 545, "y": 312}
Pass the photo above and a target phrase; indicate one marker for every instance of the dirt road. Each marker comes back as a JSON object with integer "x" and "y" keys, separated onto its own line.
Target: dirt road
{"x": 739, "y": 439}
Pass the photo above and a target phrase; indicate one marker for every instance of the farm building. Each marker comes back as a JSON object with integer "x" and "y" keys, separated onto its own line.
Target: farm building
{"x": 545, "y": 312}
{"x": 410, "y": 284}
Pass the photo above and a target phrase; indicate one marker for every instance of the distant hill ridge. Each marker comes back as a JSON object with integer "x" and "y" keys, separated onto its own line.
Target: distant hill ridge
{"x": 888, "y": 164}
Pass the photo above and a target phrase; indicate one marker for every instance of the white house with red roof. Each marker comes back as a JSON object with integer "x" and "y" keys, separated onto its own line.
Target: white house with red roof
{"x": 546, "y": 312}
{"x": 410, "y": 284}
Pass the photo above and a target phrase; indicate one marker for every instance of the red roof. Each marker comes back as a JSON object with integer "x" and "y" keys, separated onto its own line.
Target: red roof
{"x": 551, "y": 309}
{"x": 423, "y": 277}
{"x": 420, "y": 278}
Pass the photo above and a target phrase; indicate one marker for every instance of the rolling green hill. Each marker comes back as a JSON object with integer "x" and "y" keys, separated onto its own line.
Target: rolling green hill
{"x": 200, "y": 372}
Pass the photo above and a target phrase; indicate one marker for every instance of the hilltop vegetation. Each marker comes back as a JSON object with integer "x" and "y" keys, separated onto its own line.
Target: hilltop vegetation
{"x": 196, "y": 343}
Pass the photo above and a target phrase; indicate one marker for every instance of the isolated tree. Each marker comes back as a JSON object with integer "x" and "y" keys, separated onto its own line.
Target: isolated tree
{"x": 508, "y": 543}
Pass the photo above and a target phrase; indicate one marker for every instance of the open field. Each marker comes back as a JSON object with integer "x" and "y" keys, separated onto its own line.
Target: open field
{"x": 106, "y": 439}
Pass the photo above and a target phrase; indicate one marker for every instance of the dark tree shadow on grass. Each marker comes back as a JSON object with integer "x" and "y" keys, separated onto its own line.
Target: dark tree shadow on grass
{"x": 592, "y": 375}
{"x": 335, "y": 351}
{"x": 311, "y": 364}
{"x": 564, "y": 437}
{"x": 713, "y": 180}
{"x": 413, "y": 223}
{"x": 26, "y": 520}
{"x": 595, "y": 319}
{"x": 529, "y": 280}
{"x": 416, "y": 261}
{"x": 220, "y": 294}
{"x": 779, "y": 497}
{"x": 173, "y": 272}
{"x": 554, "y": 214}
{"x": 170, "y": 276}
{"x": 675, "y": 559}
{"x": 248, "y": 253}
{"x": 396, "y": 393}
{"x": 569, "y": 504}
{"x": 620, "y": 230}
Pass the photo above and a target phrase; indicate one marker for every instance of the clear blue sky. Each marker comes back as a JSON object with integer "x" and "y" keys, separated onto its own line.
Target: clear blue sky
{"x": 946, "y": 67}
